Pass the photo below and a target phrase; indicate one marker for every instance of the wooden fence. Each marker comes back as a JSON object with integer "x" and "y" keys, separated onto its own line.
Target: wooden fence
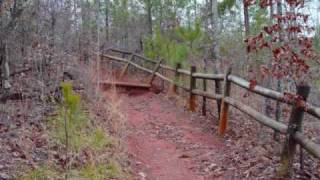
{"x": 292, "y": 131}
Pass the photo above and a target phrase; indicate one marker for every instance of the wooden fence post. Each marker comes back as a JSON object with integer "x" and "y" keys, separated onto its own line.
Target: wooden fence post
{"x": 124, "y": 70}
{"x": 295, "y": 122}
{"x": 173, "y": 88}
{"x": 225, "y": 106}
{"x": 192, "y": 97}
{"x": 218, "y": 91}
{"x": 156, "y": 68}
{"x": 204, "y": 99}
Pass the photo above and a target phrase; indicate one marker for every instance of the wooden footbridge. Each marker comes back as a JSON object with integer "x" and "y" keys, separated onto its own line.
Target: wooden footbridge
{"x": 292, "y": 130}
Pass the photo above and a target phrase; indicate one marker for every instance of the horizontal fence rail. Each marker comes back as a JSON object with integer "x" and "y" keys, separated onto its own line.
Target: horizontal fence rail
{"x": 294, "y": 135}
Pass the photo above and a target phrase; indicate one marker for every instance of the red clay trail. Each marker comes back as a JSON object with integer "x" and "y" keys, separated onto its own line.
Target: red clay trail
{"x": 165, "y": 140}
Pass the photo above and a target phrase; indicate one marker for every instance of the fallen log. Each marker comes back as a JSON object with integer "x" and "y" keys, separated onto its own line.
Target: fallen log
{"x": 21, "y": 71}
{"x": 125, "y": 84}
{"x": 11, "y": 96}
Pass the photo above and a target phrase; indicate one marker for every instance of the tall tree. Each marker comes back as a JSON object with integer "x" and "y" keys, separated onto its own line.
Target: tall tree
{"x": 246, "y": 4}
{"x": 279, "y": 80}
{"x": 7, "y": 24}
{"x": 107, "y": 14}
{"x": 148, "y": 7}
{"x": 215, "y": 28}
{"x": 85, "y": 25}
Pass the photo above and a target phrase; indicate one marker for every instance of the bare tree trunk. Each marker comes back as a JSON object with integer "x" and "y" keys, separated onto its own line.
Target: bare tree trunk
{"x": 161, "y": 17}
{"x": 246, "y": 19}
{"x": 215, "y": 44}
{"x": 126, "y": 33}
{"x": 52, "y": 32}
{"x": 97, "y": 3}
{"x": 84, "y": 37}
{"x": 268, "y": 83}
{"x": 5, "y": 73}
{"x": 149, "y": 14}
{"x": 247, "y": 33}
{"x": 215, "y": 26}
{"x": 207, "y": 20}
{"x": 5, "y": 30}
{"x": 279, "y": 81}
{"x": 107, "y": 6}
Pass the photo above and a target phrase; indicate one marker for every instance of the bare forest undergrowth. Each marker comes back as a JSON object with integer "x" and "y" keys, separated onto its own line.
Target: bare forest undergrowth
{"x": 31, "y": 140}
{"x": 166, "y": 141}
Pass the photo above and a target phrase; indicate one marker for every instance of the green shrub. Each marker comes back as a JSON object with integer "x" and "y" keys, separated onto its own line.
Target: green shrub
{"x": 98, "y": 140}
{"x": 81, "y": 134}
{"x": 70, "y": 117}
{"x": 41, "y": 173}
{"x": 100, "y": 171}
{"x": 174, "y": 45}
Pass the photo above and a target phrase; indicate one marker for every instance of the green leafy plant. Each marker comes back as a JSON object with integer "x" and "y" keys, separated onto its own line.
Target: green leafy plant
{"x": 68, "y": 126}
{"x": 44, "y": 172}
{"x": 72, "y": 128}
{"x": 174, "y": 45}
{"x": 225, "y": 5}
{"x": 163, "y": 47}
{"x": 100, "y": 171}
{"x": 190, "y": 34}
{"x": 98, "y": 140}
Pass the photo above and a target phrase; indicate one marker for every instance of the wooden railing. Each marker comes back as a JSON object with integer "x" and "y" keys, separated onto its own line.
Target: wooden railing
{"x": 292, "y": 130}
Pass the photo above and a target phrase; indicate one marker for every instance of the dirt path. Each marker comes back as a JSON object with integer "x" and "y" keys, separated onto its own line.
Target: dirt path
{"x": 166, "y": 141}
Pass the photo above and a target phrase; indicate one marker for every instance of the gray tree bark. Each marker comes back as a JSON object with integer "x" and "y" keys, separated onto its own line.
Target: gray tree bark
{"x": 5, "y": 71}
{"x": 215, "y": 29}
{"x": 246, "y": 20}
{"x": 149, "y": 16}
{"x": 5, "y": 30}
{"x": 107, "y": 7}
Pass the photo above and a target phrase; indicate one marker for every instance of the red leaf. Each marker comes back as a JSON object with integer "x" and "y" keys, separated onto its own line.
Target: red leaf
{"x": 253, "y": 84}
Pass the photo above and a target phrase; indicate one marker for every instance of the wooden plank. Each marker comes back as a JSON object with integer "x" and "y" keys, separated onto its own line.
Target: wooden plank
{"x": 225, "y": 106}
{"x": 275, "y": 95}
{"x": 315, "y": 111}
{"x": 124, "y": 70}
{"x": 204, "y": 98}
{"x": 126, "y": 84}
{"x": 120, "y": 51}
{"x": 208, "y": 76}
{"x": 295, "y": 125}
{"x": 114, "y": 58}
{"x": 265, "y": 120}
{"x": 141, "y": 68}
{"x": 165, "y": 67}
{"x": 257, "y": 89}
{"x": 207, "y": 94}
{"x": 156, "y": 68}
{"x": 164, "y": 78}
{"x": 185, "y": 72}
{"x": 307, "y": 144}
{"x": 145, "y": 59}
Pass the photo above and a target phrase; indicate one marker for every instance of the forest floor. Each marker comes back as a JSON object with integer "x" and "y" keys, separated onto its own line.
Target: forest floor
{"x": 167, "y": 142}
